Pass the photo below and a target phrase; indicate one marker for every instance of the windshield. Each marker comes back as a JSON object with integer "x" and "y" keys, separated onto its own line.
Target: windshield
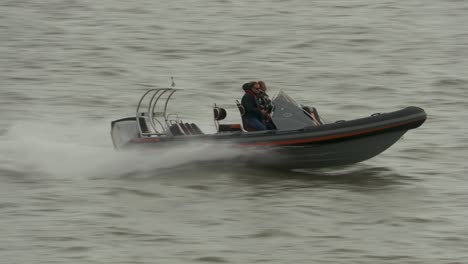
{"x": 288, "y": 114}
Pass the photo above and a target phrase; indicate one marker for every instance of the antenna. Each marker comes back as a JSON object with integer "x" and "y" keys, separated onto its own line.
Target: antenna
{"x": 173, "y": 83}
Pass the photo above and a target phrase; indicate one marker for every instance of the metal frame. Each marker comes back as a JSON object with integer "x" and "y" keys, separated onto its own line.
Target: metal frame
{"x": 155, "y": 99}
{"x": 216, "y": 122}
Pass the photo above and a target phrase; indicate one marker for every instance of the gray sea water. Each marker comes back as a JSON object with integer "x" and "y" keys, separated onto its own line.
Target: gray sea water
{"x": 69, "y": 67}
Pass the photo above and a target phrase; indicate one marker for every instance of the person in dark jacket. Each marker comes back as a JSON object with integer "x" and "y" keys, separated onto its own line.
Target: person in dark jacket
{"x": 253, "y": 116}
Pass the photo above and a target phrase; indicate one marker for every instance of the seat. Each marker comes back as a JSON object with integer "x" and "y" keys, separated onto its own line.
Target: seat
{"x": 242, "y": 113}
{"x": 316, "y": 115}
{"x": 190, "y": 129}
{"x": 143, "y": 126}
{"x": 185, "y": 128}
{"x": 196, "y": 129}
{"x": 220, "y": 114}
{"x": 241, "y": 108}
{"x": 176, "y": 130}
{"x": 312, "y": 111}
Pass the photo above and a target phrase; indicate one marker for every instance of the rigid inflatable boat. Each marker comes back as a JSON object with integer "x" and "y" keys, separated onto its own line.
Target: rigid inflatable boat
{"x": 302, "y": 139}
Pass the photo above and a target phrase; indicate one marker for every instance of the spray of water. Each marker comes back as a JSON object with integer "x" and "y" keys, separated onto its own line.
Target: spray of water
{"x": 84, "y": 149}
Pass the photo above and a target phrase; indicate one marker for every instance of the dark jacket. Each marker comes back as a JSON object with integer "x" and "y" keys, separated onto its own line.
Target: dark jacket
{"x": 249, "y": 102}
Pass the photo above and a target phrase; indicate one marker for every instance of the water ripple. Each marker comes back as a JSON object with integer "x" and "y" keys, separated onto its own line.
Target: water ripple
{"x": 70, "y": 67}
{"x": 212, "y": 259}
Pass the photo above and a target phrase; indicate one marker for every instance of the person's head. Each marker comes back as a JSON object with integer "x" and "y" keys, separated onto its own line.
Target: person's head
{"x": 262, "y": 86}
{"x": 246, "y": 86}
{"x": 255, "y": 87}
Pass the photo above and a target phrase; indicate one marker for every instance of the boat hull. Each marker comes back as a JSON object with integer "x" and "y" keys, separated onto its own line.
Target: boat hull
{"x": 335, "y": 144}
{"x": 330, "y": 154}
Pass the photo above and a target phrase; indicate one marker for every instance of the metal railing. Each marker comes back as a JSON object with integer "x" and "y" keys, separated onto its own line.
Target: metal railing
{"x": 155, "y": 101}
